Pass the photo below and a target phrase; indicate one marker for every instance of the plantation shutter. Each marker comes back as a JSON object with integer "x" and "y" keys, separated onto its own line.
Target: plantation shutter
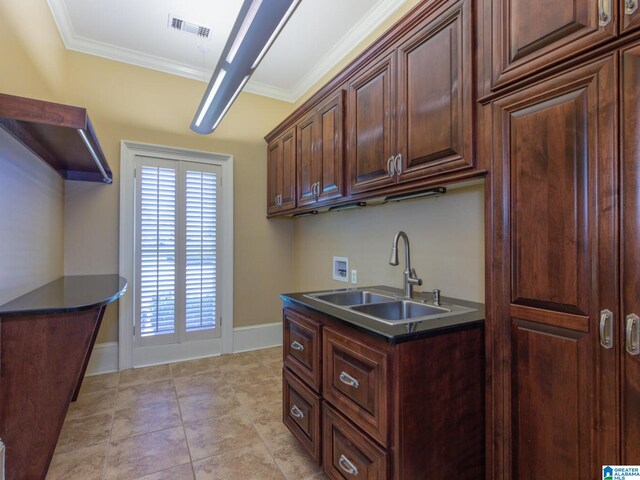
{"x": 201, "y": 259}
{"x": 176, "y": 251}
{"x": 157, "y": 246}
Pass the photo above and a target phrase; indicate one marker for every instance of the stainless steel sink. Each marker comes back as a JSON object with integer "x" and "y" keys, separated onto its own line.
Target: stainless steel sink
{"x": 400, "y": 310}
{"x": 352, "y": 297}
{"x": 385, "y": 307}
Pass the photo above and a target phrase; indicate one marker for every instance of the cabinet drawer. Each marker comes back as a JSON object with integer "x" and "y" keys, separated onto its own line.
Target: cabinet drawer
{"x": 301, "y": 413}
{"x": 348, "y": 453}
{"x": 302, "y": 348}
{"x": 356, "y": 382}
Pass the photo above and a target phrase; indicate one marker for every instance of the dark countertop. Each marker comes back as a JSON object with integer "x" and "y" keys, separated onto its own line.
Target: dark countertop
{"x": 393, "y": 333}
{"x": 67, "y": 294}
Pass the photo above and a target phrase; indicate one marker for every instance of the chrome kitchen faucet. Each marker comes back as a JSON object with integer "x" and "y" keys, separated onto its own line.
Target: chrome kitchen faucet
{"x": 410, "y": 277}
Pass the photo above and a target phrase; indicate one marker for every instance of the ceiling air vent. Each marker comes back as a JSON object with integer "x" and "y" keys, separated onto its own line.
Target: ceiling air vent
{"x": 180, "y": 24}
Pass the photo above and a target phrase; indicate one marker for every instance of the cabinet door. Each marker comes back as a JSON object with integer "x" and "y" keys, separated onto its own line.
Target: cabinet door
{"x": 528, "y": 35}
{"x": 371, "y": 126}
{"x": 630, "y": 15}
{"x": 331, "y": 147}
{"x": 435, "y": 117}
{"x": 630, "y": 154}
{"x": 281, "y": 168}
{"x": 307, "y": 139}
{"x": 274, "y": 175}
{"x": 554, "y": 402}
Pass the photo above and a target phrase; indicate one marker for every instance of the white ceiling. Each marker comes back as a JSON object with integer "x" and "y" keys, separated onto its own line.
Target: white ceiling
{"x": 318, "y": 35}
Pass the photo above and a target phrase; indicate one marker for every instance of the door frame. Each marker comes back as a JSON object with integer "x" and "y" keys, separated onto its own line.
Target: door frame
{"x": 175, "y": 352}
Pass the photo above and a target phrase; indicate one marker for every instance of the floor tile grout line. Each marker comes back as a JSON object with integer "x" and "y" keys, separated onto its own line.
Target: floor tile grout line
{"x": 113, "y": 416}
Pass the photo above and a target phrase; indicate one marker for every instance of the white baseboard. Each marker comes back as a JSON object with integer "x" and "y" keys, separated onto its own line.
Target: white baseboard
{"x": 104, "y": 359}
{"x": 257, "y": 337}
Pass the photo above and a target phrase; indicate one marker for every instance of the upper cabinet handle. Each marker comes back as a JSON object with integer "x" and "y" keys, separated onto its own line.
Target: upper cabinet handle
{"x": 633, "y": 334}
{"x": 390, "y": 167}
{"x": 630, "y": 6}
{"x": 606, "y": 328}
{"x": 604, "y": 12}
{"x": 398, "y": 163}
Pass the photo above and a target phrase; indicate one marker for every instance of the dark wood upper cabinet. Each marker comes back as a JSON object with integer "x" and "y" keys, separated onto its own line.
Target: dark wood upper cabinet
{"x": 435, "y": 95}
{"x": 320, "y": 154}
{"x": 630, "y": 258}
{"x": 281, "y": 176}
{"x": 555, "y": 276}
{"x": 529, "y": 35}
{"x": 371, "y": 126}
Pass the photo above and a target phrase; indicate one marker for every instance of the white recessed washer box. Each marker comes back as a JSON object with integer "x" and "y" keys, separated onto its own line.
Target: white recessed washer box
{"x": 341, "y": 269}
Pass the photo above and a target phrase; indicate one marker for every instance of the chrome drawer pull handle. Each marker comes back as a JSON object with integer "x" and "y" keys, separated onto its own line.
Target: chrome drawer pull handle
{"x": 349, "y": 380}
{"x": 604, "y": 12}
{"x": 606, "y": 328}
{"x": 633, "y": 334}
{"x": 296, "y": 412}
{"x": 297, "y": 346}
{"x": 630, "y": 6}
{"x": 390, "y": 167}
{"x": 347, "y": 466}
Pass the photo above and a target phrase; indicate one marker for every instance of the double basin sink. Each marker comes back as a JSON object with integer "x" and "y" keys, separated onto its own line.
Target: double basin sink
{"x": 386, "y": 307}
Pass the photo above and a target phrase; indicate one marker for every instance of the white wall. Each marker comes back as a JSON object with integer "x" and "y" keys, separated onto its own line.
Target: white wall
{"x": 31, "y": 221}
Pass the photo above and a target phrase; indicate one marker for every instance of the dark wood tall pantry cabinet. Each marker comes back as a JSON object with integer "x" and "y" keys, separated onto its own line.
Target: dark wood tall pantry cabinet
{"x": 563, "y": 238}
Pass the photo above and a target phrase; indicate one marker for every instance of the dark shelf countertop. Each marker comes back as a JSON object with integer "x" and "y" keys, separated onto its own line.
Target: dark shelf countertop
{"x": 393, "y": 333}
{"x": 67, "y": 294}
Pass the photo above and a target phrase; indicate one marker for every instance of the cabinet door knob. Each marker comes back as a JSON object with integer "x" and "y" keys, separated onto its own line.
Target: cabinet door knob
{"x": 604, "y": 12}
{"x": 296, "y": 412}
{"x": 391, "y": 166}
{"x": 297, "y": 346}
{"x": 349, "y": 380}
{"x": 633, "y": 334}
{"x": 606, "y": 328}
{"x": 347, "y": 466}
{"x": 630, "y": 6}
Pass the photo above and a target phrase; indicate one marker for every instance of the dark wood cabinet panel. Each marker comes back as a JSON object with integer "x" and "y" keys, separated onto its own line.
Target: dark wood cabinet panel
{"x": 435, "y": 95}
{"x": 356, "y": 380}
{"x": 331, "y": 148}
{"x": 554, "y": 270}
{"x": 348, "y": 453}
{"x": 320, "y": 154}
{"x": 281, "y": 167}
{"x": 528, "y": 36}
{"x": 302, "y": 414}
{"x": 630, "y": 244}
{"x": 371, "y": 126}
{"x": 551, "y": 407}
{"x": 303, "y": 347}
{"x": 306, "y": 159}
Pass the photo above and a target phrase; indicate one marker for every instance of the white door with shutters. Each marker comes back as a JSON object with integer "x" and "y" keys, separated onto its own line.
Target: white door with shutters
{"x": 176, "y": 252}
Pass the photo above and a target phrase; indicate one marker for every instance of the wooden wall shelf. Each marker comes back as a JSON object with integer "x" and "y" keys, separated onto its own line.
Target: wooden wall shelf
{"x": 61, "y": 135}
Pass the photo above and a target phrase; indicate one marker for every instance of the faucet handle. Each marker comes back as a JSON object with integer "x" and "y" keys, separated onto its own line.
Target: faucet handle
{"x": 436, "y": 297}
{"x": 413, "y": 277}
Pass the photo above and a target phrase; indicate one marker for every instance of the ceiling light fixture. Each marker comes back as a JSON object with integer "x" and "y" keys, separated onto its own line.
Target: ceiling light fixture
{"x": 255, "y": 29}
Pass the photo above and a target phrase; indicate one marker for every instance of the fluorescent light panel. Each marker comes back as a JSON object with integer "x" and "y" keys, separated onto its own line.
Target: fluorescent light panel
{"x": 248, "y": 20}
{"x": 235, "y": 68}
{"x": 212, "y": 93}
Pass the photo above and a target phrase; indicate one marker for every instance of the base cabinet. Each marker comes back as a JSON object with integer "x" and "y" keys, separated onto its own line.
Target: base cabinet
{"x": 408, "y": 411}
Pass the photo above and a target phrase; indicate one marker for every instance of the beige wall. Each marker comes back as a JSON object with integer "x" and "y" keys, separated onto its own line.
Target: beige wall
{"x": 445, "y": 233}
{"x": 131, "y": 103}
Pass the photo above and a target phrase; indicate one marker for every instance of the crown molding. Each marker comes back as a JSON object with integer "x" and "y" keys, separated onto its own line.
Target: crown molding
{"x": 346, "y": 44}
{"x": 72, "y": 41}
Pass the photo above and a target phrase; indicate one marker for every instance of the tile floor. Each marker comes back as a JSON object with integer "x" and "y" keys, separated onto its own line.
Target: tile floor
{"x": 215, "y": 418}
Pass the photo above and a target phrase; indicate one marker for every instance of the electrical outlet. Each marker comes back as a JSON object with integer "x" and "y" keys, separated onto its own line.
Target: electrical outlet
{"x": 354, "y": 276}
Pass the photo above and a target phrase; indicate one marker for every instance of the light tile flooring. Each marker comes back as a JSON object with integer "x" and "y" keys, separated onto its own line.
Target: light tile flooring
{"x": 215, "y": 418}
